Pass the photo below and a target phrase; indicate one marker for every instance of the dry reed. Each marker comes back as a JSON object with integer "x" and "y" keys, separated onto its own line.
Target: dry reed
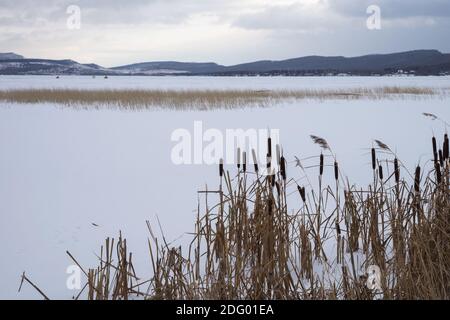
{"x": 136, "y": 99}
{"x": 251, "y": 246}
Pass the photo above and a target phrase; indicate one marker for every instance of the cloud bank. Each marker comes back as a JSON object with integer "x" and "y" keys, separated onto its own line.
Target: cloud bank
{"x": 119, "y": 32}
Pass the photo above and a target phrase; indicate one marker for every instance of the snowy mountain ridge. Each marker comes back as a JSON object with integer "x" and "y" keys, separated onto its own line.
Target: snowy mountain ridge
{"x": 417, "y": 62}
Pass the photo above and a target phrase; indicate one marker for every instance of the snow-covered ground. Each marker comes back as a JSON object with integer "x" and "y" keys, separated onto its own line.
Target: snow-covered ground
{"x": 62, "y": 170}
{"x": 186, "y": 82}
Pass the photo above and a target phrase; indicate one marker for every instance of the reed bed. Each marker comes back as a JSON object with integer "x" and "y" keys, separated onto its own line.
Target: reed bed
{"x": 266, "y": 236}
{"x": 203, "y": 99}
{"x": 269, "y": 236}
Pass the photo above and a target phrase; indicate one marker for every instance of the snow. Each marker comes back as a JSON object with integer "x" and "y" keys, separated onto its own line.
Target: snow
{"x": 151, "y": 72}
{"x": 6, "y": 65}
{"x": 62, "y": 170}
{"x": 189, "y": 82}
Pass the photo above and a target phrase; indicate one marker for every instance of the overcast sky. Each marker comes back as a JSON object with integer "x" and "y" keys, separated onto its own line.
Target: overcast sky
{"x": 116, "y": 32}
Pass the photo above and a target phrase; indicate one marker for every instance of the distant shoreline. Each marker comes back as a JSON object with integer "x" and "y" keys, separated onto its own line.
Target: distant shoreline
{"x": 416, "y": 62}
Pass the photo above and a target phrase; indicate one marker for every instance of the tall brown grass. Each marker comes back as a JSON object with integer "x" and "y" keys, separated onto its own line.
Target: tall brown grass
{"x": 202, "y": 99}
{"x": 252, "y": 245}
{"x": 255, "y": 242}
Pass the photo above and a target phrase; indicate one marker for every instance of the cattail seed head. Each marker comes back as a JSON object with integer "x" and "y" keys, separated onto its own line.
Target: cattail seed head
{"x": 269, "y": 147}
{"x": 438, "y": 173}
{"x": 446, "y": 147}
{"x": 336, "y": 171}
{"x": 380, "y": 172}
{"x": 321, "y": 164}
{"x": 441, "y": 158}
{"x": 283, "y": 167}
{"x": 238, "y": 158}
{"x": 301, "y": 191}
{"x": 433, "y": 141}
{"x": 244, "y": 161}
{"x": 374, "y": 164}
{"x": 417, "y": 179}
{"x": 221, "y": 168}
{"x": 255, "y": 160}
{"x": 396, "y": 171}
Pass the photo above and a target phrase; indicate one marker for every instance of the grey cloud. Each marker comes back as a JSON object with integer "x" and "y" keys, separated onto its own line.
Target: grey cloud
{"x": 334, "y": 15}
{"x": 394, "y": 8}
{"x": 247, "y": 29}
{"x": 292, "y": 17}
{"x": 111, "y": 12}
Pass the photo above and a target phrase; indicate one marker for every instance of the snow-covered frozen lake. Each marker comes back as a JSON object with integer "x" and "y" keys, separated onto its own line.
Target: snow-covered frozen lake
{"x": 186, "y": 82}
{"x": 62, "y": 169}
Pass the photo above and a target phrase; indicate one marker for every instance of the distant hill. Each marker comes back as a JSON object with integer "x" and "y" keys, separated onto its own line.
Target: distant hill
{"x": 369, "y": 63}
{"x": 419, "y": 62}
{"x": 10, "y": 56}
{"x": 171, "y": 67}
{"x": 50, "y": 67}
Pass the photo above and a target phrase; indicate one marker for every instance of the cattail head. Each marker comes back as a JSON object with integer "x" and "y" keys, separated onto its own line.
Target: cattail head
{"x": 255, "y": 160}
{"x": 446, "y": 147}
{"x": 244, "y": 161}
{"x": 272, "y": 180}
{"x": 433, "y": 142}
{"x": 374, "y": 160}
{"x": 283, "y": 167}
{"x": 336, "y": 171}
{"x": 269, "y": 147}
{"x": 417, "y": 179}
{"x": 438, "y": 173}
{"x": 396, "y": 171}
{"x": 321, "y": 164}
{"x": 380, "y": 172}
{"x": 221, "y": 168}
{"x": 338, "y": 228}
{"x": 301, "y": 191}
{"x": 269, "y": 161}
{"x": 441, "y": 158}
{"x": 238, "y": 158}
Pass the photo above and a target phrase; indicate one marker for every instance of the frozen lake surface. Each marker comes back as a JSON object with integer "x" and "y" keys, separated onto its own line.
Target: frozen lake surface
{"x": 62, "y": 170}
{"x": 186, "y": 82}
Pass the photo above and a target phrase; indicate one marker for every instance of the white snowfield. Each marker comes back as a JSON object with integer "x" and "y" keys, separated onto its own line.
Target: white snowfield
{"x": 220, "y": 83}
{"x": 64, "y": 170}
